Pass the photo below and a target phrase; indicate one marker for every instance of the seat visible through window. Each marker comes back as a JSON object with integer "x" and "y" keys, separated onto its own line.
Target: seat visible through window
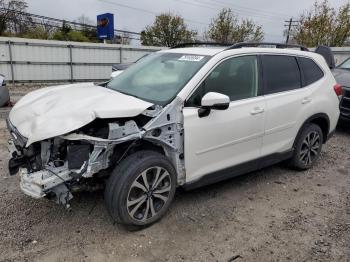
{"x": 236, "y": 77}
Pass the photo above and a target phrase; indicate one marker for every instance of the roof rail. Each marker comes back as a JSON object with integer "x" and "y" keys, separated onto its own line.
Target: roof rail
{"x": 200, "y": 44}
{"x": 257, "y": 44}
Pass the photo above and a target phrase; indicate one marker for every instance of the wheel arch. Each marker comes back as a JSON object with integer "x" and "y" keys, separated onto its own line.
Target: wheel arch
{"x": 320, "y": 119}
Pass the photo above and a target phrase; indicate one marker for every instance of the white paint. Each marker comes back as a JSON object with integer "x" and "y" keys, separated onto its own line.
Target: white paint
{"x": 116, "y": 73}
{"x": 213, "y": 98}
{"x": 58, "y": 110}
{"x": 255, "y": 127}
{"x": 224, "y": 138}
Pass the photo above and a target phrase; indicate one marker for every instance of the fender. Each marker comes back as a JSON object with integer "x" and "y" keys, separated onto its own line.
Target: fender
{"x": 311, "y": 119}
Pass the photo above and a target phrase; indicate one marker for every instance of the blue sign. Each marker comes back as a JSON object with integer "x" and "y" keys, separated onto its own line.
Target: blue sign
{"x": 105, "y": 26}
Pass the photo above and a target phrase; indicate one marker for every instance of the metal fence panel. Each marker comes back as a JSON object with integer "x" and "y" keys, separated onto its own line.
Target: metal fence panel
{"x": 30, "y": 60}
{"x": 88, "y": 72}
{"x": 25, "y": 72}
{"x": 28, "y": 53}
{"x": 83, "y": 55}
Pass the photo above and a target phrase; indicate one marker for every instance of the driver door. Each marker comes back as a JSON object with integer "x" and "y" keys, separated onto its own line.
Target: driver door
{"x": 225, "y": 138}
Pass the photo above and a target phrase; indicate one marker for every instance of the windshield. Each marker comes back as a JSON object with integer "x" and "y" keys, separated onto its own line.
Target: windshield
{"x": 345, "y": 64}
{"x": 158, "y": 78}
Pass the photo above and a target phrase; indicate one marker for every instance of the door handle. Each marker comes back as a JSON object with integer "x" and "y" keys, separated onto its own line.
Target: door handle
{"x": 306, "y": 100}
{"x": 257, "y": 110}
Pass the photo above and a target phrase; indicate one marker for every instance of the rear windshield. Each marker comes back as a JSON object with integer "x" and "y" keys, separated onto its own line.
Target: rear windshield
{"x": 158, "y": 77}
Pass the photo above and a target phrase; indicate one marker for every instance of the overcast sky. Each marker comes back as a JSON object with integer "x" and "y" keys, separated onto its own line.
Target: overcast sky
{"x": 134, "y": 15}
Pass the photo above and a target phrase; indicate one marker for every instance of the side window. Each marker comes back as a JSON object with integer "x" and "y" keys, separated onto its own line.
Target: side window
{"x": 235, "y": 77}
{"x": 310, "y": 69}
{"x": 281, "y": 73}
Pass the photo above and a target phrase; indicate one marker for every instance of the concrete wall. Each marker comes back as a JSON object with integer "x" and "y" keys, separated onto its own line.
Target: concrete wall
{"x": 29, "y": 60}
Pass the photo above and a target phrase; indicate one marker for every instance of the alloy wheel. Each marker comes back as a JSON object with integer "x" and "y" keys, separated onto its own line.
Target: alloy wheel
{"x": 148, "y": 193}
{"x": 310, "y": 148}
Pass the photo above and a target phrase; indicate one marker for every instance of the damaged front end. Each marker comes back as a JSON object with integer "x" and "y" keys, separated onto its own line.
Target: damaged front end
{"x": 81, "y": 160}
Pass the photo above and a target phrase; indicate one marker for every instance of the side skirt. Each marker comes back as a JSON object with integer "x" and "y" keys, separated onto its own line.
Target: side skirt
{"x": 239, "y": 169}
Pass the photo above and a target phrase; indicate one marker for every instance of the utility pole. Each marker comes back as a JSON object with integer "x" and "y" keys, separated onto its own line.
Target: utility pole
{"x": 289, "y": 25}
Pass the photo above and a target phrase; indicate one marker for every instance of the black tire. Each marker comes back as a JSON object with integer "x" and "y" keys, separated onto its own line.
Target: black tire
{"x": 123, "y": 189}
{"x": 307, "y": 148}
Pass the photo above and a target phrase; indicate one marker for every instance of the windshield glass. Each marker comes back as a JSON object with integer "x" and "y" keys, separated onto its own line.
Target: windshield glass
{"x": 158, "y": 78}
{"x": 345, "y": 64}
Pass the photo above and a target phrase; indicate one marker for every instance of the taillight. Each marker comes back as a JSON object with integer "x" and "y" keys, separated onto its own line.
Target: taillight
{"x": 338, "y": 89}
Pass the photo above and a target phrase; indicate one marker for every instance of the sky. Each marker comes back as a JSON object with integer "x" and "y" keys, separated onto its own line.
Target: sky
{"x": 134, "y": 15}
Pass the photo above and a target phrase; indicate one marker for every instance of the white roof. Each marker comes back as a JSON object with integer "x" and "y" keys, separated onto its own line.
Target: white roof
{"x": 211, "y": 51}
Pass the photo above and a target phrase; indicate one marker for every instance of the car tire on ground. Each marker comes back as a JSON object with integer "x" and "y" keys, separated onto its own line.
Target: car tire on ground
{"x": 307, "y": 148}
{"x": 140, "y": 189}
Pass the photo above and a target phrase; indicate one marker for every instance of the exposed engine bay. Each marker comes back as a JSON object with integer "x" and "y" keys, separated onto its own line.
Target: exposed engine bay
{"x": 81, "y": 160}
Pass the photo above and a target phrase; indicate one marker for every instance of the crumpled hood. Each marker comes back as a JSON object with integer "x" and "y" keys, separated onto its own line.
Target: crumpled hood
{"x": 57, "y": 110}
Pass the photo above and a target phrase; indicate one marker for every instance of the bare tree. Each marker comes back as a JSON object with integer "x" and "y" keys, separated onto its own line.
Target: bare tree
{"x": 13, "y": 18}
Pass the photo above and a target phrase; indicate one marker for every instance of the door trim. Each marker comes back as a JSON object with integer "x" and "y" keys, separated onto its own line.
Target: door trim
{"x": 239, "y": 169}
{"x": 231, "y": 143}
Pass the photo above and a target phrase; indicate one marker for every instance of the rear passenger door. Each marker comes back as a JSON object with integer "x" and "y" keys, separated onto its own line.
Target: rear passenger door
{"x": 286, "y": 102}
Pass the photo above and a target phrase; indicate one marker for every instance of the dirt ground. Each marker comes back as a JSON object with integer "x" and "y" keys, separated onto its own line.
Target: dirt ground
{"x": 271, "y": 215}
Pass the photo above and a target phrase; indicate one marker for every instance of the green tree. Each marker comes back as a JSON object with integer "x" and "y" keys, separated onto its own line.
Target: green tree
{"x": 37, "y": 32}
{"x": 66, "y": 33}
{"x": 323, "y": 25}
{"x": 226, "y": 28}
{"x": 167, "y": 30}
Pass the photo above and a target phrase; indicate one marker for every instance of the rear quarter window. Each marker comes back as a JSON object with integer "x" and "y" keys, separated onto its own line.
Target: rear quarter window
{"x": 311, "y": 71}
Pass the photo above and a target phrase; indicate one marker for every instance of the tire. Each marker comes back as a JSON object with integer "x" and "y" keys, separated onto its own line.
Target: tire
{"x": 307, "y": 148}
{"x": 140, "y": 189}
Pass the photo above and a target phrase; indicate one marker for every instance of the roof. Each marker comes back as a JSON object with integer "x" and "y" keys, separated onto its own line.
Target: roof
{"x": 212, "y": 51}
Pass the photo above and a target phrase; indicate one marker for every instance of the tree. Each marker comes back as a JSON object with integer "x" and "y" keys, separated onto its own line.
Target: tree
{"x": 123, "y": 39}
{"x": 323, "y": 25}
{"x": 66, "y": 33}
{"x": 226, "y": 28}
{"x": 37, "y": 32}
{"x": 167, "y": 30}
{"x": 87, "y": 28}
{"x": 13, "y": 20}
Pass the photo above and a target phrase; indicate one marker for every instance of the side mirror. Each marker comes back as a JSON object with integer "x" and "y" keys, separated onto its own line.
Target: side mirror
{"x": 213, "y": 100}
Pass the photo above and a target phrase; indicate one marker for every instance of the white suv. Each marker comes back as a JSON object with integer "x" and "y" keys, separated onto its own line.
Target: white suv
{"x": 185, "y": 117}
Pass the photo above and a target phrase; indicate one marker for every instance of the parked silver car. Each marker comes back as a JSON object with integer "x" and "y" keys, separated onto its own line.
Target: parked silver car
{"x": 4, "y": 92}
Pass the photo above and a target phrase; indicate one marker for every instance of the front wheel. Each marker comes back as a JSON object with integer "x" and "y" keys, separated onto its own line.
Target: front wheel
{"x": 141, "y": 189}
{"x": 308, "y": 147}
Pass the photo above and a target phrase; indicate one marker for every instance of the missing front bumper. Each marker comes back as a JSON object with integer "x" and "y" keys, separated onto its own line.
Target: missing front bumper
{"x": 40, "y": 184}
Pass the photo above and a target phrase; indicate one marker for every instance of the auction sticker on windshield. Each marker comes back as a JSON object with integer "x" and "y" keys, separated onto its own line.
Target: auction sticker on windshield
{"x": 191, "y": 58}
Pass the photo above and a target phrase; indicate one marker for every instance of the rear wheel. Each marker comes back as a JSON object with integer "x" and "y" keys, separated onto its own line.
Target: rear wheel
{"x": 141, "y": 189}
{"x": 308, "y": 147}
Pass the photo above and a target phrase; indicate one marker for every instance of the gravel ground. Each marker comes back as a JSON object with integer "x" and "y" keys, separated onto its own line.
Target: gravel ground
{"x": 271, "y": 215}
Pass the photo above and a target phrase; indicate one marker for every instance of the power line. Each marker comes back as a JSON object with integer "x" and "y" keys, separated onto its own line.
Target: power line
{"x": 280, "y": 15}
{"x": 251, "y": 14}
{"x": 66, "y": 21}
{"x": 291, "y": 23}
{"x": 147, "y": 11}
